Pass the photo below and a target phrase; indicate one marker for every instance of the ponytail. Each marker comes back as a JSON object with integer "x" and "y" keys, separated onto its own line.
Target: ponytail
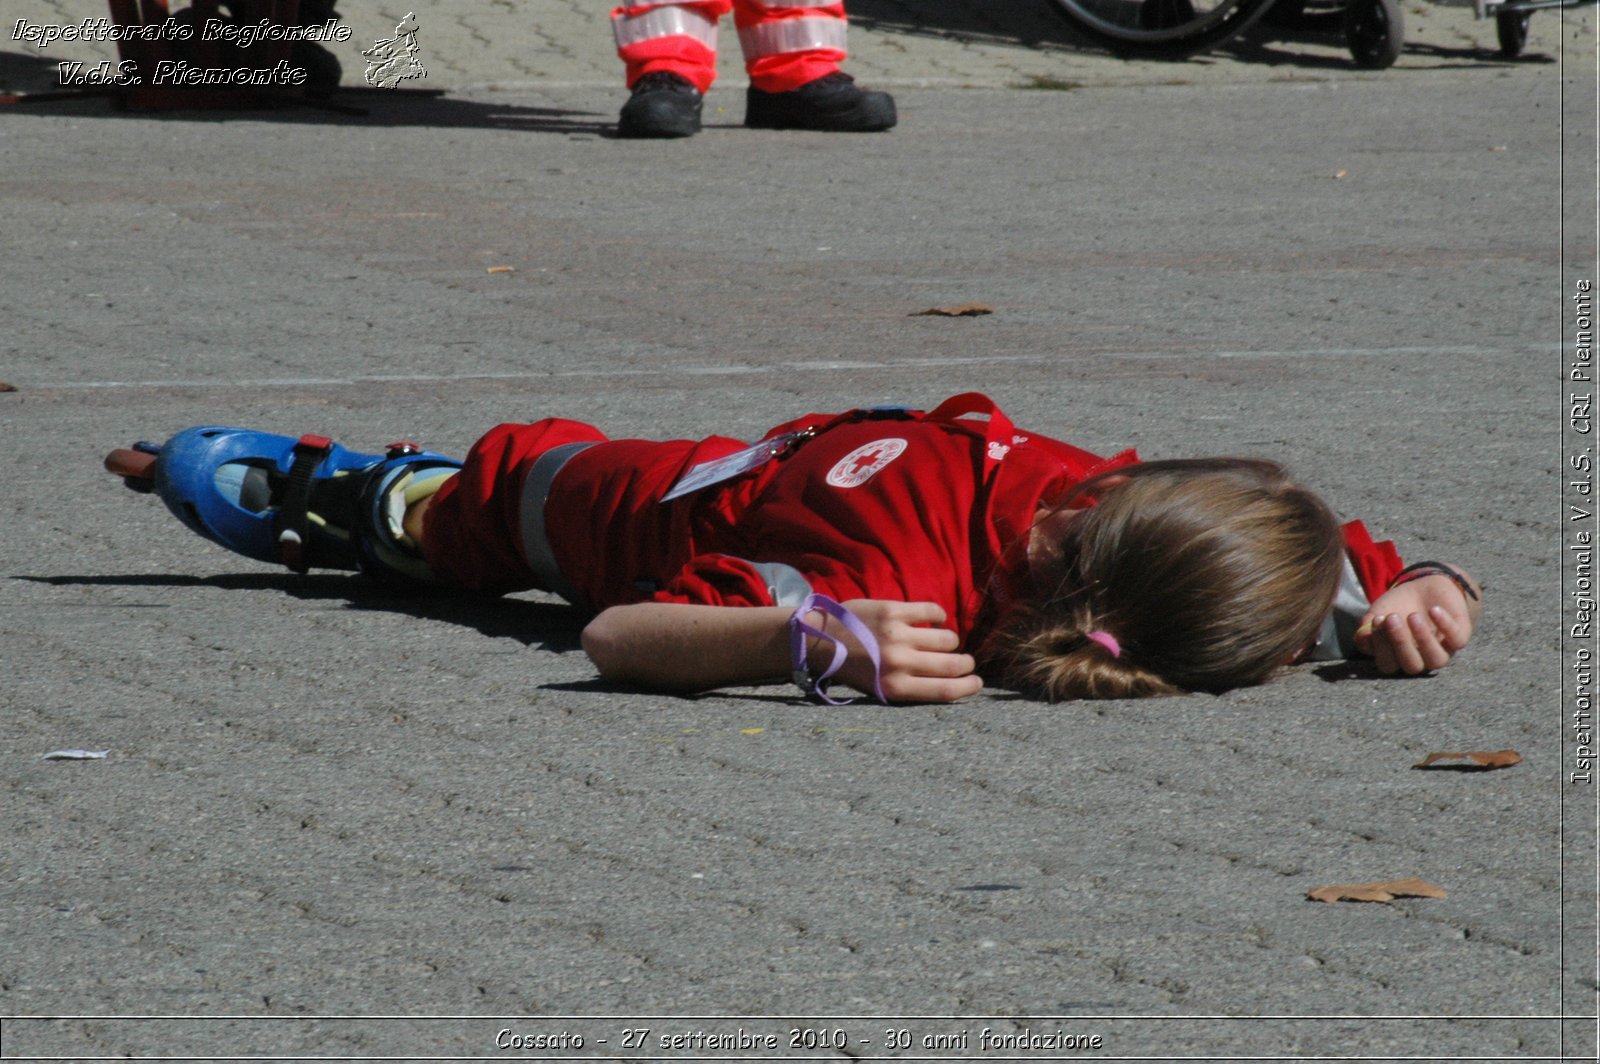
{"x": 1056, "y": 660}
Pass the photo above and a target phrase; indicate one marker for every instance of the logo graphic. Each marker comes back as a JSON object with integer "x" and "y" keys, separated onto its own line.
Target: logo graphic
{"x": 863, "y": 463}
{"x": 392, "y": 61}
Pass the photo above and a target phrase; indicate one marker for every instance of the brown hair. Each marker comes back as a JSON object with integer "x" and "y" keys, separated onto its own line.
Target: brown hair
{"x": 1209, "y": 574}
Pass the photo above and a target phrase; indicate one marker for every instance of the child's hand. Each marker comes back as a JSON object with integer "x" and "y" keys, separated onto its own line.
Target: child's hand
{"x": 1418, "y": 626}
{"x": 919, "y": 660}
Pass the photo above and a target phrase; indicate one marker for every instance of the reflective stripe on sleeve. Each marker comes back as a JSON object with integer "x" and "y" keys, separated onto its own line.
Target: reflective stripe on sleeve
{"x": 782, "y": 36}
{"x": 668, "y": 20}
{"x": 1337, "y": 639}
{"x": 536, "y": 549}
{"x": 784, "y": 583}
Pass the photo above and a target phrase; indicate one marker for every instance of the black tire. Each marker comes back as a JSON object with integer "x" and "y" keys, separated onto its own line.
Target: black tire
{"x": 1306, "y": 16}
{"x": 1375, "y": 32}
{"x": 1512, "y": 29}
{"x": 1160, "y": 29}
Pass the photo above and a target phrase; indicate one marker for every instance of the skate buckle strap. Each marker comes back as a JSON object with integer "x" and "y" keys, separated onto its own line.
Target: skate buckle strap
{"x": 294, "y": 522}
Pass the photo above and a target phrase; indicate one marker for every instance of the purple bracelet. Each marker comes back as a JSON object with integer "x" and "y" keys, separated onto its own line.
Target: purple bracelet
{"x": 799, "y": 629}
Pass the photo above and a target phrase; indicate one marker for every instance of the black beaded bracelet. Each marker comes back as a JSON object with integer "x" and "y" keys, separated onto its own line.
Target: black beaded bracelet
{"x": 1421, "y": 569}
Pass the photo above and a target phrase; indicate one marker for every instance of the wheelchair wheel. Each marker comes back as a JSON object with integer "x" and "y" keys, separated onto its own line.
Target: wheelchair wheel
{"x": 1375, "y": 32}
{"x": 1512, "y": 29}
{"x": 1319, "y": 17}
{"x": 1160, "y": 29}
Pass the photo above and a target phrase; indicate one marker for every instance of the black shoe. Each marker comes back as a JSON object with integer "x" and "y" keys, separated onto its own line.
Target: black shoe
{"x": 834, "y": 103}
{"x": 662, "y": 105}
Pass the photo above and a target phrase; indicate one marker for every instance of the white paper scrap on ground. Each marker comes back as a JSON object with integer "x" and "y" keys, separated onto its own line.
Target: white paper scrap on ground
{"x": 76, "y": 755}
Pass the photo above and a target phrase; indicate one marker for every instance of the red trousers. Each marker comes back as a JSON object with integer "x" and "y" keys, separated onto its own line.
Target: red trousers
{"x": 472, "y": 534}
{"x": 488, "y": 529}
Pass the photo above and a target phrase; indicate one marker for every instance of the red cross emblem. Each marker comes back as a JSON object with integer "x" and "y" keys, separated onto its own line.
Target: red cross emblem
{"x": 863, "y": 463}
{"x": 865, "y": 460}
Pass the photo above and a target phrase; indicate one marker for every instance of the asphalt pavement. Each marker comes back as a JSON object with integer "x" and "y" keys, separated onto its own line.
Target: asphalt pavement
{"x": 339, "y": 825}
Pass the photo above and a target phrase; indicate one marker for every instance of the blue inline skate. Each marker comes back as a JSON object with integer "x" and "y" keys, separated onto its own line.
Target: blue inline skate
{"x": 304, "y": 503}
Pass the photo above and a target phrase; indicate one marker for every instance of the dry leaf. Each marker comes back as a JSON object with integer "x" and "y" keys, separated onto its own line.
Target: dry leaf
{"x": 965, "y": 310}
{"x": 502, "y": 269}
{"x": 1482, "y": 760}
{"x": 4, "y": 387}
{"x": 1386, "y": 891}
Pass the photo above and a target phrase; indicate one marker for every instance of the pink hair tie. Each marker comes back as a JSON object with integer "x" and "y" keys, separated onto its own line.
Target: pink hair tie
{"x": 1107, "y": 640}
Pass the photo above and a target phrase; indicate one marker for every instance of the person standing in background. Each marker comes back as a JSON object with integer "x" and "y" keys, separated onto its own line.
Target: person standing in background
{"x": 792, "y": 52}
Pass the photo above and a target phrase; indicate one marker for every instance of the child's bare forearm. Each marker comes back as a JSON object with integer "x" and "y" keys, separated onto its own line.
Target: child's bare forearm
{"x": 686, "y": 647}
{"x": 681, "y": 647}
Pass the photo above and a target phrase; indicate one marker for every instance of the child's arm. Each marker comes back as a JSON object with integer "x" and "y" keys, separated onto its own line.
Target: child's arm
{"x": 685, "y": 647}
{"x": 1417, "y": 626}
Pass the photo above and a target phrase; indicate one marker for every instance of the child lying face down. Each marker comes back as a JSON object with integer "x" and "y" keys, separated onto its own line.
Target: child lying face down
{"x": 908, "y": 555}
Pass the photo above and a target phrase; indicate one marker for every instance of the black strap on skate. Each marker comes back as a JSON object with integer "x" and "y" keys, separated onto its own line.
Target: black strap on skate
{"x": 293, "y": 522}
